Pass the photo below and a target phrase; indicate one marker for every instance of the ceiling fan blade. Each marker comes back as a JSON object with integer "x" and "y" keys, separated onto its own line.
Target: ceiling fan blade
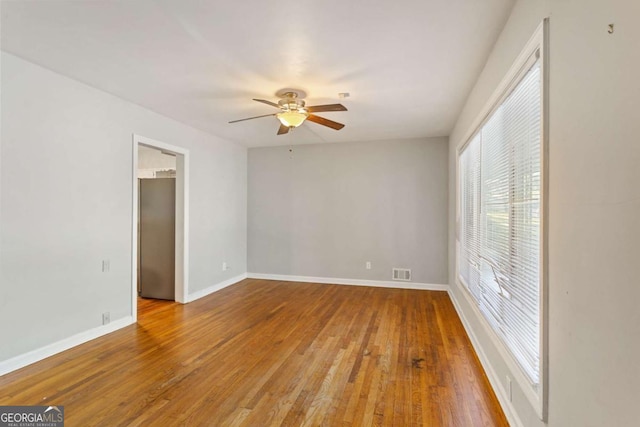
{"x": 325, "y": 122}
{"x": 251, "y": 118}
{"x": 264, "y": 101}
{"x": 328, "y": 107}
{"x": 283, "y": 129}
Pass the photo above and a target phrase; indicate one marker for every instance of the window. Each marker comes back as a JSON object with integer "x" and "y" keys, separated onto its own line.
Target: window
{"x": 500, "y": 205}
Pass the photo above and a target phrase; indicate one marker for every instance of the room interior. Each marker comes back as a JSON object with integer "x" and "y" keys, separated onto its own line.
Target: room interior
{"x": 85, "y": 83}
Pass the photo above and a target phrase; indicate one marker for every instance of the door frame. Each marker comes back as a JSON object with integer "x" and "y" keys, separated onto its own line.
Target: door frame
{"x": 182, "y": 220}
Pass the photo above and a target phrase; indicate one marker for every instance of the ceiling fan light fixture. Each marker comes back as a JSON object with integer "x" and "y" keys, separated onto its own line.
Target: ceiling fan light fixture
{"x": 293, "y": 118}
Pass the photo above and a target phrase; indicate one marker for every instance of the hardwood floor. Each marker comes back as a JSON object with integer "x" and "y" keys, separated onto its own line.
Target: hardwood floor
{"x": 263, "y": 353}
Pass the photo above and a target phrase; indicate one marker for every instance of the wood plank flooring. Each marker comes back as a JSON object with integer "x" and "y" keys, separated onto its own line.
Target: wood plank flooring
{"x": 267, "y": 353}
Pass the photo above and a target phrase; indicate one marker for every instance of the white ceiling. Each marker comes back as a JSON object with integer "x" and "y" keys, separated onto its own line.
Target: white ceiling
{"x": 408, "y": 64}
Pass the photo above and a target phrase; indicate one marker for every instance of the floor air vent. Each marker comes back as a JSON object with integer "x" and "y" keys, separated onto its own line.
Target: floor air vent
{"x": 403, "y": 274}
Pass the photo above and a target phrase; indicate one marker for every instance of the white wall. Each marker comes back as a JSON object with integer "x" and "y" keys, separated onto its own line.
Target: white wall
{"x": 326, "y": 209}
{"x": 66, "y": 164}
{"x": 594, "y": 203}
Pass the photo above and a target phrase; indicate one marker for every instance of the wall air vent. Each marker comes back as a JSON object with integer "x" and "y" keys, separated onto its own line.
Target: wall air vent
{"x": 403, "y": 274}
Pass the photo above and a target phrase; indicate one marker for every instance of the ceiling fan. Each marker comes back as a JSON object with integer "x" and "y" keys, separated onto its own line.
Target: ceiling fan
{"x": 293, "y": 111}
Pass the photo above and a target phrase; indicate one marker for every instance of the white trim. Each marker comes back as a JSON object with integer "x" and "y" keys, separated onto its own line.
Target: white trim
{"x": 502, "y": 395}
{"x": 215, "y": 288}
{"x": 538, "y": 42}
{"x": 39, "y": 354}
{"x": 134, "y": 232}
{"x": 544, "y": 224}
{"x": 182, "y": 219}
{"x": 182, "y": 227}
{"x": 351, "y": 282}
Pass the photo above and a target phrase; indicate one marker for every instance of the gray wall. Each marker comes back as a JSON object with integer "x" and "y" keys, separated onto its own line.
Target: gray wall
{"x": 594, "y": 203}
{"x": 324, "y": 210}
{"x": 66, "y": 194}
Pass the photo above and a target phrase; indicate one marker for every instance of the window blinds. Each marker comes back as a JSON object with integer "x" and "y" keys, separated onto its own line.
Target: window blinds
{"x": 500, "y": 200}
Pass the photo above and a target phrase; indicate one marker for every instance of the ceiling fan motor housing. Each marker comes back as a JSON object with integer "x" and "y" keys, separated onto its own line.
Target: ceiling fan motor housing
{"x": 291, "y": 103}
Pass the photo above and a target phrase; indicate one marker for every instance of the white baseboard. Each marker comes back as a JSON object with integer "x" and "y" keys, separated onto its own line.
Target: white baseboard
{"x": 501, "y": 393}
{"x": 353, "y": 282}
{"x": 214, "y": 288}
{"x": 33, "y": 356}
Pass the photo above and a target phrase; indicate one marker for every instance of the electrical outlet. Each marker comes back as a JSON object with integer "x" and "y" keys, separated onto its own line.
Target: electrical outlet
{"x": 106, "y": 265}
{"x": 106, "y": 318}
{"x": 368, "y": 265}
{"x": 225, "y": 266}
{"x": 509, "y": 389}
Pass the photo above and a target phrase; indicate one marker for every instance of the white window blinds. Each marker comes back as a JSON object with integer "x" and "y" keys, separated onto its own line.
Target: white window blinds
{"x": 499, "y": 250}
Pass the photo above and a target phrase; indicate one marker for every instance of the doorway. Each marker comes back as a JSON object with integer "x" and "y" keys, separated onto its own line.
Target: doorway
{"x": 156, "y": 223}
{"x": 147, "y": 149}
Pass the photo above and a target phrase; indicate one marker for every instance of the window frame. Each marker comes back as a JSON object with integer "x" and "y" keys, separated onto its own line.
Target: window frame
{"x": 538, "y": 44}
